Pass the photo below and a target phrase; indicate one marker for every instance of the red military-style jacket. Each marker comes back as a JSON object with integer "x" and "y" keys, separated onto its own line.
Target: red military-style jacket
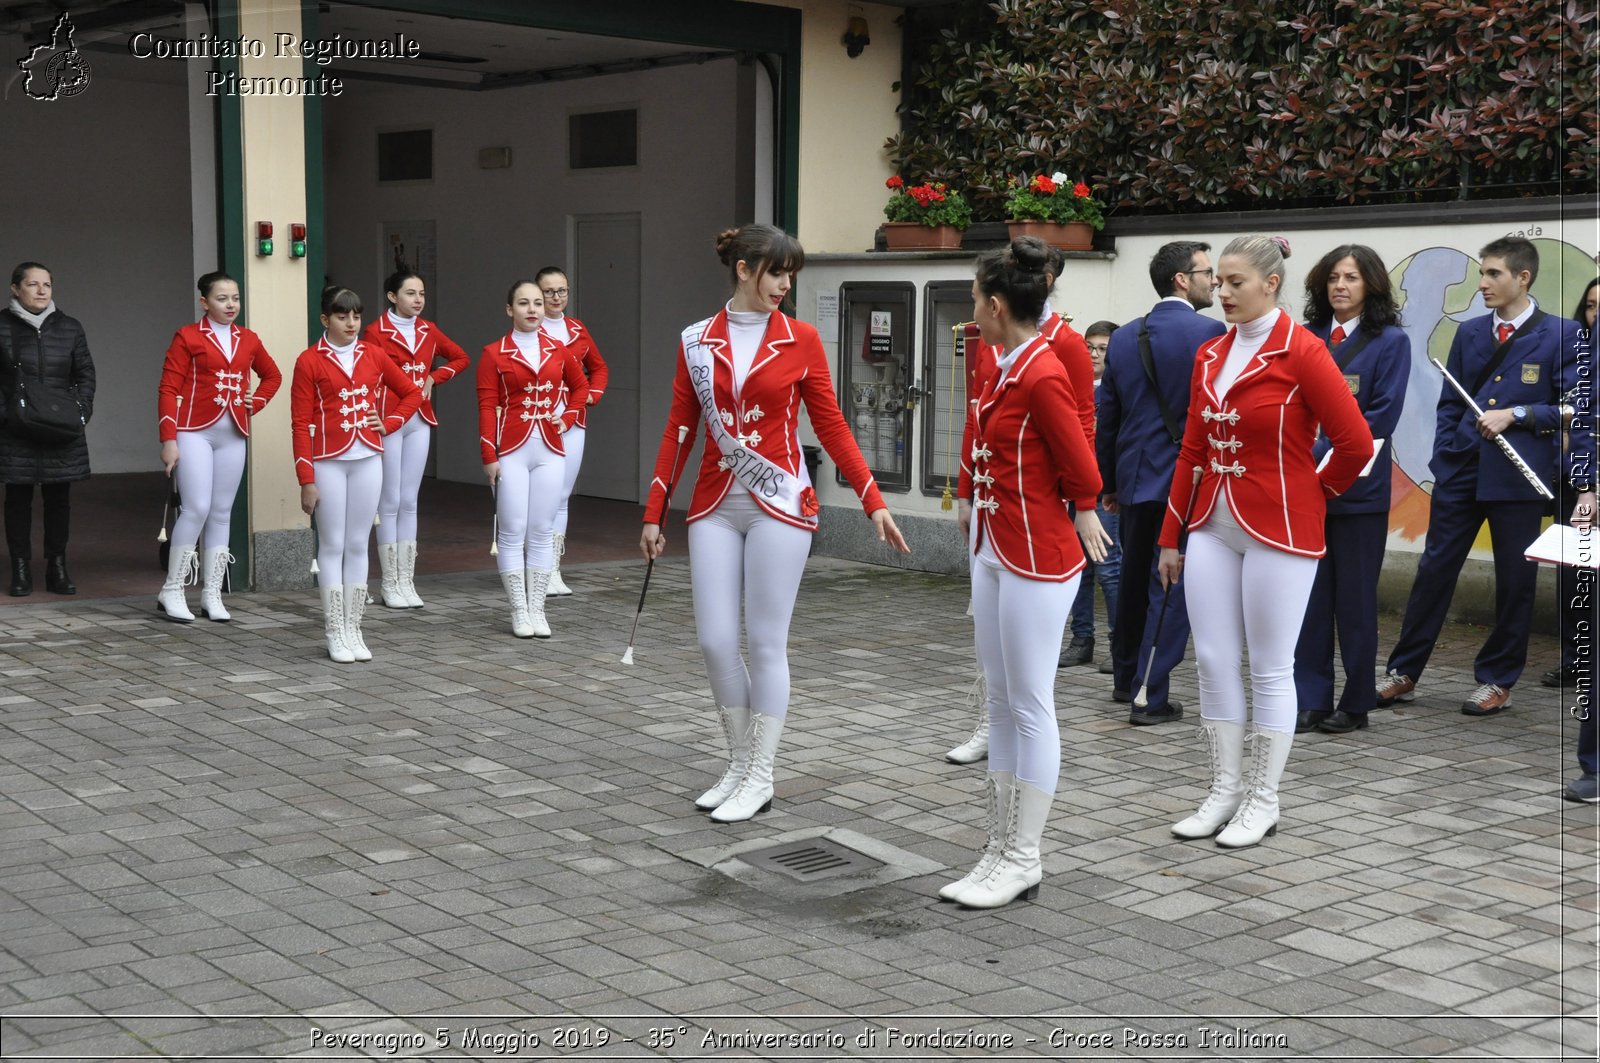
{"x": 199, "y": 383}
{"x": 515, "y": 393}
{"x": 580, "y": 344}
{"x": 327, "y": 405}
{"x": 1256, "y": 443}
{"x": 790, "y": 367}
{"x": 1072, "y": 351}
{"x": 432, "y": 344}
{"x": 1028, "y": 457}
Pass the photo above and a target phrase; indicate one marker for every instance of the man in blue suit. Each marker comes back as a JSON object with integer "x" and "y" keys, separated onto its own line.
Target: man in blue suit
{"x": 1517, "y": 363}
{"x": 1143, "y": 405}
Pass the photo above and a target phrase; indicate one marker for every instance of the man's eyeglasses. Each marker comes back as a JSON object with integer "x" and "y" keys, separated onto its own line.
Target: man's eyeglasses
{"x": 1209, "y": 271}
{"x": 1099, "y": 348}
{"x": 554, "y": 293}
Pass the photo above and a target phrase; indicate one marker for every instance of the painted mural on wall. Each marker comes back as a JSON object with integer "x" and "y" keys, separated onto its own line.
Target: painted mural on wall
{"x": 1437, "y": 290}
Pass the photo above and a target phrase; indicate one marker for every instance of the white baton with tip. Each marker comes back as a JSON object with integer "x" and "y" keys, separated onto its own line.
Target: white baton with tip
{"x": 1505, "y": 447}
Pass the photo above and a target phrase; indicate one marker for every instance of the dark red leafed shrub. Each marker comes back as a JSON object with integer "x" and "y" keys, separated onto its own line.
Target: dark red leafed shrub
{"x": 1169, "y": 105}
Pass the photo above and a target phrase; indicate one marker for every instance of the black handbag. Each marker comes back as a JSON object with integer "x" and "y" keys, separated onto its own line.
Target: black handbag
{"x": 42, "y": 412}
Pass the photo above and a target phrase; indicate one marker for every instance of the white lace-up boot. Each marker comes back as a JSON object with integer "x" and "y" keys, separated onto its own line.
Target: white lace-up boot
{"x": 180, "y": 571}
{"x": 408, "y": 574}
{"x": 1257, "y": 816}
{"x": 355, "y": 607}
{"x": 333, "y": 624}
{"x": 736, "y": 729}
{"x": 997, "y": 791}
{"x": 217, "y": 561}
{"x": 753, "y": 794}
{"x": 1225, "y": 749}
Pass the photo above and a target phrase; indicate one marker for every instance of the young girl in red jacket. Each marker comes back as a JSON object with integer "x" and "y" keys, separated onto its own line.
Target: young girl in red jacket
{"x": 204, "y": 407}
{"x": 414, "y": 345}
{"x": 1028, "y": 458}
{"x": 522, "y": 423}
{"x": 744, "y": 372}
{"x": 577, "y": 340}
{"x": 338, "y": 442}
{"x": 1258, "y": 393}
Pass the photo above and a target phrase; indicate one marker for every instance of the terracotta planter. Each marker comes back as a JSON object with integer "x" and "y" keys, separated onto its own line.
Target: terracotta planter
{"x": 914, "y": 236}
{"x": 1068, "y": 236}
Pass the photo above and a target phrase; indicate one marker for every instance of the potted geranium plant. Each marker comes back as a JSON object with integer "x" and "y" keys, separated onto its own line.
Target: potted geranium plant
{"x": 926, "y": 217}
{"x": 1058, "y": 210}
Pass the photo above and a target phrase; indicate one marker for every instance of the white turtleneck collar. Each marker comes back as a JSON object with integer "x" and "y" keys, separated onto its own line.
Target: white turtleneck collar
{"x": 527, "y": 342}
{"x": 1249, "y": 338}
{"x": 556, "y": 326}
{"x": 224, "y": 335}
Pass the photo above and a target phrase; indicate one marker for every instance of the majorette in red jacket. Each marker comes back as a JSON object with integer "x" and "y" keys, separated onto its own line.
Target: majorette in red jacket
{"x": 1072, "y": 351}
{"x": 328, "y": 407}
{"x": 580, "y": 344}
{"x": 526, "y": 393}
{"x": 790, "y": 367}
{"x": 432, "y": 344}
{"x": 1027, "y": 457}
{"x": 199, "y": 383}
{"x": 1256, "y": 443}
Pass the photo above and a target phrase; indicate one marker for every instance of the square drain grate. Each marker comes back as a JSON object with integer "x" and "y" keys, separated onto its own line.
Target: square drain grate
{"x": 811, "y": 860}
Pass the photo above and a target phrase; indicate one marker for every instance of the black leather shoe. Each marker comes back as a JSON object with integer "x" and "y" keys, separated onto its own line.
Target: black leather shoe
{"x": 1557, "y": 677}
{"x": 1078, "y": 651}
{"x": 21, "y": 577}
{"x": 1120, "y": 696}
{"x": 1106, "y": 668}
{"x": 1341, "y": 722}
{"x": 56, "y": 580}
{"x": 1307, "y": 720}
{"x": 1172, "y": 710}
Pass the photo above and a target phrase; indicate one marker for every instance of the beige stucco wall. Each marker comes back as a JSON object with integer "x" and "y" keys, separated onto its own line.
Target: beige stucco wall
{"x": 847, "y": 111}
{"x": 274, "y": 190}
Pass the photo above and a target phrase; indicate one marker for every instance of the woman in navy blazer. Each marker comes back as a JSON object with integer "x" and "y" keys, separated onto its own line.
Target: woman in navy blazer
{"x": 1350, "y": 307}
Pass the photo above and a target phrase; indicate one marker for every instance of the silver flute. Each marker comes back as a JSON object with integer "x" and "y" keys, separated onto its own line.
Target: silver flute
{"x": 1505, "y": 448}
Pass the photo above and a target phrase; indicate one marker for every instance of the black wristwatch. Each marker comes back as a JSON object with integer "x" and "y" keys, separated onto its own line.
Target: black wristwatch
{"x": 1520, "y": 413}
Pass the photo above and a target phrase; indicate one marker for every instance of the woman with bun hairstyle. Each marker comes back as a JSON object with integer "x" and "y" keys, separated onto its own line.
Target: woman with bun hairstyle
{"x": 578, "y": 342}
{"x": 743, "y": 373}
{"x": 414, "y": 345}
{"x": 521, "y": 427}
{"x": 1257, "y": 395}
{"x": 1027, "y": 458}
{"x": 338, "y": 446}
{"x": 1350, "y": 307}
{"x": 205, "y": 404}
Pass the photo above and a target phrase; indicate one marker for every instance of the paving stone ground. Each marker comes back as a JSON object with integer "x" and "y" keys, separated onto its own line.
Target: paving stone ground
{"x": 214, "y": 842}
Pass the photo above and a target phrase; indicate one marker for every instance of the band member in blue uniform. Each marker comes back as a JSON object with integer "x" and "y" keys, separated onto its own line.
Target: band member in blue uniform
{"x": 1517, "y": 363}
{"x": 1350, "y": 307}
{"x": 1142, "y": 407}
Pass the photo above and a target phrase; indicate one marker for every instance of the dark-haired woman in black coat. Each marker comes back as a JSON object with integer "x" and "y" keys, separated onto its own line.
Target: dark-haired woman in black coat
{"x": 48, "y": 347}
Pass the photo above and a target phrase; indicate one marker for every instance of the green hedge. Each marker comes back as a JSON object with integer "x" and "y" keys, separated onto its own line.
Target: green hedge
{"x": 1171, "y": 104}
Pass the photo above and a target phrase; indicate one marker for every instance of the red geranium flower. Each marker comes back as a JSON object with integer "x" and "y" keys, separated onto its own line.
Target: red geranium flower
{"x": 808, "y": 503}
{"x": 894, "y": 182}
{"x": 1044, "y": 185}
{"x": 1080, "y": 190}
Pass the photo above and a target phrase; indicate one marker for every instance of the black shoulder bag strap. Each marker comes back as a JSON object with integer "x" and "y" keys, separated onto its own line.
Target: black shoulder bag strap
{"x": 1352, "y": 347}
{"x": 1149, "y": 359}
{"x": 1500, "y": 352}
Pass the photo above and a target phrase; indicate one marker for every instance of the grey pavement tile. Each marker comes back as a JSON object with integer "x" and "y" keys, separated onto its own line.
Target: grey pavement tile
{"x": 470, "y": 822}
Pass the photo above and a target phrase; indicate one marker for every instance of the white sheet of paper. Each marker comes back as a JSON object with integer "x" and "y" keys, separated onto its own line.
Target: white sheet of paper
{"x": 1377, "y": 446}
{"x": 1562, "y": 544}
{"x": 828, "y": 316}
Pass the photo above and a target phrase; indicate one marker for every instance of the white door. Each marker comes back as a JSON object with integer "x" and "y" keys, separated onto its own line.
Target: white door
{"x": 605, "y": 297}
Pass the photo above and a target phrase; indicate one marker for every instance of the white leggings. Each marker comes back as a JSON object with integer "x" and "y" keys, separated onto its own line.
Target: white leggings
{"x": 1017, "y": 625}
{"x": 1239, "y": 592}
{"x": 738, "y": 551}
{"x": 572, "y": 443}
{"x": 405, "y": 455}
{"x": 526, "y": 501}
{"x": 347, "y": 500}
{"x": 210, "y": 465}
